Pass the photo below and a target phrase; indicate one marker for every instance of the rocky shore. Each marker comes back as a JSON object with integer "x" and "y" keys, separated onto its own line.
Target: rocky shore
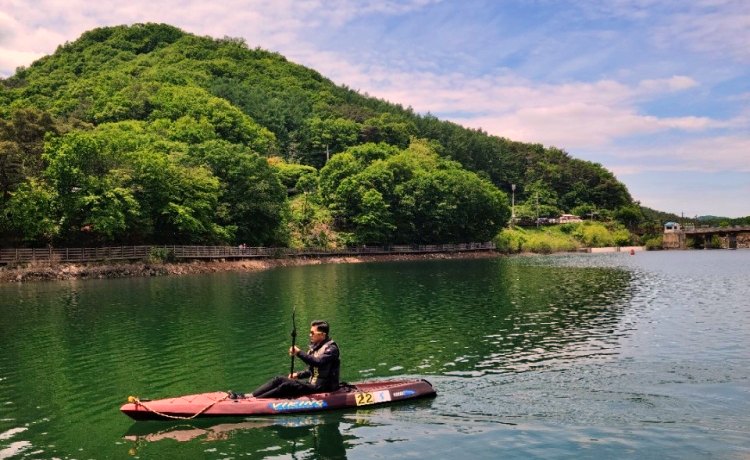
{"x": 49, "y": 272}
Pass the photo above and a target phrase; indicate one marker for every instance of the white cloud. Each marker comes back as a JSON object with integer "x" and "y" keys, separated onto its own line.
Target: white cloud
{"x": 713, "y": 154}
{"x": 34, "y": 29}
{"x": 571, "y": 116}
{"x": 675, "y": 83}
{"x": 12, "y": 59}
{"x": 722, "y": 27}
{"x": 708, "y": 26}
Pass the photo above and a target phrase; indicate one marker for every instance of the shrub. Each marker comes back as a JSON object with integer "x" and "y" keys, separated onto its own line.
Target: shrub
{"x": 159, "y": 255}
{"x": 543, "y": 241}
{"x": 568, "y": 228}
{"x": 502, "y": 243}
{"x": 510, "y": 241}
{"x": 594, "y": 235}
{"x": 622, "y": 237}
{"x": 546, "y": 243}
{"x": 715, "y": 242}
{"x": 655, "y": 243}
{"x": 540, "y": 247}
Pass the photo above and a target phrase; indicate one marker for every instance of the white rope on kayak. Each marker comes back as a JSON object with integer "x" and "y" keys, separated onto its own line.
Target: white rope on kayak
{"x": 135, "y": 400}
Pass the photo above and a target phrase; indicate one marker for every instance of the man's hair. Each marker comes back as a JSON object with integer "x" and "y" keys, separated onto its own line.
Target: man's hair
{"x": 321, "y": 325}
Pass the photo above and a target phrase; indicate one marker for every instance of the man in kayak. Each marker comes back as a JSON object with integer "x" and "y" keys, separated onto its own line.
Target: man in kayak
{"x": 322, "y": 373}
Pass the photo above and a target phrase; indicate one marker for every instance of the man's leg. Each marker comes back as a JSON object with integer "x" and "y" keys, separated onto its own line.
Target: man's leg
{"x": 268, "y": 386}
{"x": 284, "y": 388}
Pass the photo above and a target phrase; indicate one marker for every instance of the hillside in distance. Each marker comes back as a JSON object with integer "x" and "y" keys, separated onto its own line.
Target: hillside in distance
{"x": 123, "y": 105}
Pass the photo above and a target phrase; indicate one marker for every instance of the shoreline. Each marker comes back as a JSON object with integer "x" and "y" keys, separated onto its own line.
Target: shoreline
{"x": 62, "y": 272}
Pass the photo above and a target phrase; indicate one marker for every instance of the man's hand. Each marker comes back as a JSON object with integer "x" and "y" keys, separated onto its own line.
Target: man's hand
{"x": 293, "y": 375}
{"x": 294, "y": 350}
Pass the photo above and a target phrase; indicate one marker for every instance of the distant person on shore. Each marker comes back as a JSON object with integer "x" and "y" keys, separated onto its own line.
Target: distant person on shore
{"x": 322, "y": 373}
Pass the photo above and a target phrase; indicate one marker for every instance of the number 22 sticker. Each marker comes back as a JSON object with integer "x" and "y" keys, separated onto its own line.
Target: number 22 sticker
{"x": 363, "y": 399}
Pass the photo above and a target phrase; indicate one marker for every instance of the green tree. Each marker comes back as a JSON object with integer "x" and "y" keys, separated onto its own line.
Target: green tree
{"x": 291, "y": 173}
{"x": 630, "y": 216}
{"x": 253, "y": 200}
{"x": 348, "y": 163}
{"x": 12, "y": 171}
{"x": 388, "y": 128}
{"x": 228, "y": 122}
{"x": 94, "y": 186}
{"x": 381, "y": 194}
{"x": 31, "y": 213}
{"x": 121, "y": 182}
{"x": 179, "y": 203}
{"x": 109, "y": 208}
{"x": 21, "y": 146}
{"x": 450, "y": 206}
{"x": 373, "y": 222}
{"x": 586, "y": 211}
{"x": 322, "y": 138}
{"x": 78, "y": 169}
{"x": 541, "y": 200}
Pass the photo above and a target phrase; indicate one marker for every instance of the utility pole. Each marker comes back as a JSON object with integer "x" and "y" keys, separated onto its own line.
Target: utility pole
{"x": 513, "y": 205}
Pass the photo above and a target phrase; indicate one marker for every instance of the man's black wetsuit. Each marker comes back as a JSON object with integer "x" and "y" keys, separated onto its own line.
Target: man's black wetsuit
{"x": 323, "y": 372}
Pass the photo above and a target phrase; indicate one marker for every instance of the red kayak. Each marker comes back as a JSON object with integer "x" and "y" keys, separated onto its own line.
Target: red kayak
{"x": 227, "y": 404}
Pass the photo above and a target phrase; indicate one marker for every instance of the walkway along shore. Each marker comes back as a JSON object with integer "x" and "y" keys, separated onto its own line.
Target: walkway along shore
{"x": 46, "y": 269}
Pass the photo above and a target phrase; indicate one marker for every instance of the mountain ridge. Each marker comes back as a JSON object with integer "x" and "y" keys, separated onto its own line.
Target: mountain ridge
{"x": 204, "y": 89}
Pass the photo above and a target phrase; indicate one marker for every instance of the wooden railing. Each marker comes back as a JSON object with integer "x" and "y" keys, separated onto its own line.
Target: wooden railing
{"x": 69, "y": 255}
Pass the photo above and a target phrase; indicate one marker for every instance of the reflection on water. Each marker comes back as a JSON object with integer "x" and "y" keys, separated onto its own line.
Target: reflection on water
{"x": 562, "y": 356}
{"x": 316, "y": 436}
{"x": 325, "y": 436}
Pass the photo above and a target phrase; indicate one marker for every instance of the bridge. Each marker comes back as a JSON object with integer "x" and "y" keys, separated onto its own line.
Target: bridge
{"x": 734, "y": 237}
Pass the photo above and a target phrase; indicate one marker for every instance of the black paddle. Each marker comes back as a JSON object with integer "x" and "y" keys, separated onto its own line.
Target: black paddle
{"x": 294, "y": 339}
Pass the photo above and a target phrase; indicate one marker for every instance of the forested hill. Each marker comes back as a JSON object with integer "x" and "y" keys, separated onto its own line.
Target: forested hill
{"x": 146, "y": 133}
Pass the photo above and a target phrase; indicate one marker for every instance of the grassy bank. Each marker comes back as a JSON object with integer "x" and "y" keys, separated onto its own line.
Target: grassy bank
{"x": 563, "y": 238}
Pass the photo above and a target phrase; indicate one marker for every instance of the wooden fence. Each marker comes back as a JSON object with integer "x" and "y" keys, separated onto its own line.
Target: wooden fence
{"x": 72, "y": 255}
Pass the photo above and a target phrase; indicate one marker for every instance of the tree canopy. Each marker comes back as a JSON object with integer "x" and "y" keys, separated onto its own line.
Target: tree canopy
{"x": 145, "y": 133}
{"x": 383, "y": 194}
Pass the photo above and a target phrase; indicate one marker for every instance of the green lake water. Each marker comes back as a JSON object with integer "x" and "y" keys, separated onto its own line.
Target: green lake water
{"x": 565, "y": 356}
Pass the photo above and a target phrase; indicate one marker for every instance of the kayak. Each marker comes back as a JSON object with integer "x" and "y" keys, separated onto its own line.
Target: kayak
{"x": 228, "y": 404}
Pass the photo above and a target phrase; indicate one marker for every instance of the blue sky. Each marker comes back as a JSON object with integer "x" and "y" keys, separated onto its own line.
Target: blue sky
{"x": 657, "y": 91}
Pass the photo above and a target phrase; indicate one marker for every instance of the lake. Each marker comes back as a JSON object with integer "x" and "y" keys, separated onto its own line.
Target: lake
{"x": 563, "y": 356}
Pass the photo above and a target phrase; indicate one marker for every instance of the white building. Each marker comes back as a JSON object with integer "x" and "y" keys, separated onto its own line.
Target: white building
{"x": 568, "y": 218}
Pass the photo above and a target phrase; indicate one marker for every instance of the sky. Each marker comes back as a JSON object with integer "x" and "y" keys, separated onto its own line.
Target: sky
{"x": 656, "y": 91}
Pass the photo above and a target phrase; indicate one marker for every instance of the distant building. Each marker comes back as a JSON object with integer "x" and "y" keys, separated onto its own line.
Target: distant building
{"x": 568, "y": 218}
{"x": 671, "y": 227}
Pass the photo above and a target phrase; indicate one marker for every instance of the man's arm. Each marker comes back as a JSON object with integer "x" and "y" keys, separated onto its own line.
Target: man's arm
{"x": 331, "y": 353}
{"x": 303, "y": 374}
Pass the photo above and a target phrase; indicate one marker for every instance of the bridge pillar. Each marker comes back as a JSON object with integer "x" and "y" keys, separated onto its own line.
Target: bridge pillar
{"x": 732, "y": 241}
{"x": 673, "y": 240}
